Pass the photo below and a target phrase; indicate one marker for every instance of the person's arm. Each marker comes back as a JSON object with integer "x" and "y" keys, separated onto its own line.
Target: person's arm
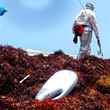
{"x": 75, "y": 39}
{"x": 95, "y": 29}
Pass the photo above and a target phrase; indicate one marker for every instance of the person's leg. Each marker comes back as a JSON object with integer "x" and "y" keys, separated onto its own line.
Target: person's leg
{"x": 83, "y": 53}
{"x": 85, "y": 41}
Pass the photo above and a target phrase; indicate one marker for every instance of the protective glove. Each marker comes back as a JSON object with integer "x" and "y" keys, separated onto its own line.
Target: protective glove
{"x": 75, "y": 40}
{"x": 99, "y": 52}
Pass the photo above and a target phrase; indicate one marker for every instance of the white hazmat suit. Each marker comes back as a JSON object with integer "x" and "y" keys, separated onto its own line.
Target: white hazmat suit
{"x": 87, "y": 19}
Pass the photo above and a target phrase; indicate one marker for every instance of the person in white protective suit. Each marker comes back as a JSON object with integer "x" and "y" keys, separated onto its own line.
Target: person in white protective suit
{"x": 83, "y": 26}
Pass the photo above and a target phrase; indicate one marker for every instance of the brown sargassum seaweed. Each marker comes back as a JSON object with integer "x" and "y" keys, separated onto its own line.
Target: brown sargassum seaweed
{"x": 92, "y": 91}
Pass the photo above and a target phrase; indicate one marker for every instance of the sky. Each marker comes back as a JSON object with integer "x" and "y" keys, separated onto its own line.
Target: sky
{"x": 46, "y": 25}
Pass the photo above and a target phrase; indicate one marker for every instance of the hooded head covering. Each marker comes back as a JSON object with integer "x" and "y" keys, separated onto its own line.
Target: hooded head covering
{"x": 89, "y": 6}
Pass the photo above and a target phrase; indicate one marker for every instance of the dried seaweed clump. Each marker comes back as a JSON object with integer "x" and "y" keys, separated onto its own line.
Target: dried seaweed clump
{"x": 92, "y": 91}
